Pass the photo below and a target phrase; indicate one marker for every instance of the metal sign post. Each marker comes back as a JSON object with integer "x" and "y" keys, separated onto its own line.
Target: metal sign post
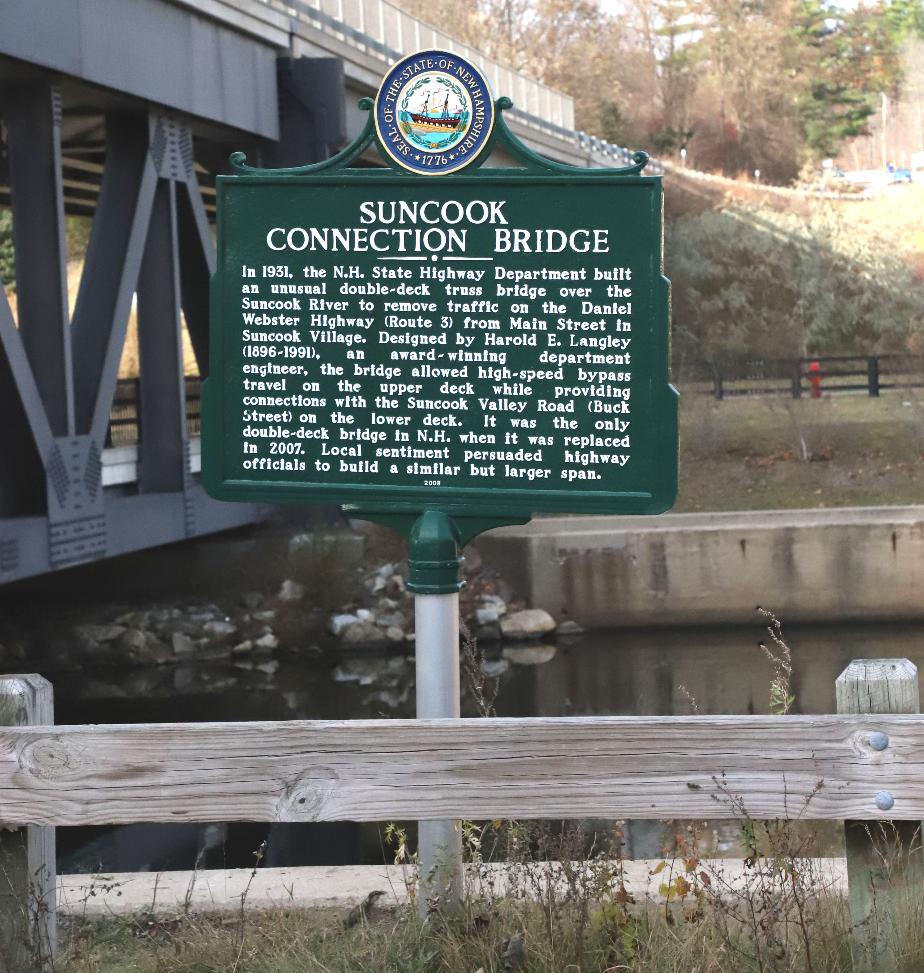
{"x": 434, "y": 562}
{"x": 440, "y": 346}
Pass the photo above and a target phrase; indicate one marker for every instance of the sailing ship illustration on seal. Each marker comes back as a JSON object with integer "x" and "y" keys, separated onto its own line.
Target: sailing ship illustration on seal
{"x": 429, "y": 121}
{"x": 434, "y": 118}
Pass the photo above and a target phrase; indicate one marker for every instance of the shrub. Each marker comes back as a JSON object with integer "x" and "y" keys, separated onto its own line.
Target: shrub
{"x": 751, "y": 282}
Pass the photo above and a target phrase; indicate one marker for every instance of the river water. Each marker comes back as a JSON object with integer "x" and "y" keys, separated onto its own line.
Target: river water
{"x": 600, "y": 673}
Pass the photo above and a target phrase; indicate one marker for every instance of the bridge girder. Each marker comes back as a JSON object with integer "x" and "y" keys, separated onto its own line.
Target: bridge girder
{"x": 150, "y": 246}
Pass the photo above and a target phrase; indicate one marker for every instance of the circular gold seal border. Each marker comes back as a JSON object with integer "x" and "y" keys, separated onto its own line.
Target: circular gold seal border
{"x": 378, "y": 96}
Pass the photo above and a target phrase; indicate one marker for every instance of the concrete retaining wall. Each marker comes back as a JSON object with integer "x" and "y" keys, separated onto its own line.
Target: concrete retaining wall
{"x": 680, "y": 569}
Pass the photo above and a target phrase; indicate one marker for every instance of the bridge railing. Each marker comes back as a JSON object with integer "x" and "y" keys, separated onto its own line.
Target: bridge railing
{"x": 864, "y": 765}
{"x": 125, "y": 426}
{"x": 385, "y": 29}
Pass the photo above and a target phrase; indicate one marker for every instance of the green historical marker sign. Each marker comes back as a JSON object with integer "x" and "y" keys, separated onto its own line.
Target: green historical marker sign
{"x": 434, "y": 335}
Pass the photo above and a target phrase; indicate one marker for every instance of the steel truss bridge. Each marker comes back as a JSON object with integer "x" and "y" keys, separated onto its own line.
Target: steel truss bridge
{"x": 124, "y": 111}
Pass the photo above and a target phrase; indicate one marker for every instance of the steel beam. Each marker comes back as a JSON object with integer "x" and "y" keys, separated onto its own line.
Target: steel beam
{"x": 133, "y": 523}
{"x": 32, "y": 114}
{"x": 150, "y": 236}
{"x": 24, "y": 433}
{"x": 197, "y": 264}
{"x": 152, "y": 50}
{"x": 312, "y": 111}
{"x": 111, "y": 270}
{"x": 162, "y": 452}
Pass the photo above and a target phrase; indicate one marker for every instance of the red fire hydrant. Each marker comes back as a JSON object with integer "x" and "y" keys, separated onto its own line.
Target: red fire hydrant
{"x": 814, "y": 377}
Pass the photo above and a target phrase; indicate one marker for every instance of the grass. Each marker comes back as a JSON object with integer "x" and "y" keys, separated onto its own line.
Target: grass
{"x": 896, "y": 215}
{"x": 561, "y": 904}
{"x": 760, "y": 934}
{"x": 296, "y": 942}
{"x": 779, "y": 453}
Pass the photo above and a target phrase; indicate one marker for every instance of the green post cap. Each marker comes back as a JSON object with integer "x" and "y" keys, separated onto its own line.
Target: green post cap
{"x": 433, "y": 555}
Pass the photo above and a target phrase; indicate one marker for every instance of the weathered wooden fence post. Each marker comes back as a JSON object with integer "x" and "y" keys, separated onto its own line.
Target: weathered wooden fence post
{"x": 885, "y": 870}
{"x": 27, "y": 854}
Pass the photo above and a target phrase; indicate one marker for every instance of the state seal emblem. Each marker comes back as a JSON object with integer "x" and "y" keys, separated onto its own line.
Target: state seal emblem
{"x": 433, "y": 113}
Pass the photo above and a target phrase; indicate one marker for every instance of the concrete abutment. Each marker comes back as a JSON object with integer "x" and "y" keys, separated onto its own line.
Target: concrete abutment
{"x": 849, "y": 564}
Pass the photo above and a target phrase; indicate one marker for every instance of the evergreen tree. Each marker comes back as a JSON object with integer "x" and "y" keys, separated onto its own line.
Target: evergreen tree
{"x": 846, "y": 59}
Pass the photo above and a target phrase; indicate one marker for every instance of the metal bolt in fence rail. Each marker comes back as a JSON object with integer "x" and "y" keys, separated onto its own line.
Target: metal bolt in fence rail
{"x": 885, "y": 862}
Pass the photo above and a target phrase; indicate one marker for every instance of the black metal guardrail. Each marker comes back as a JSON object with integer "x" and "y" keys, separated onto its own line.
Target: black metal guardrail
{"x": 794, "y": 377}
{"x": 805, "y": 377}
{"x": 125, "y": 416}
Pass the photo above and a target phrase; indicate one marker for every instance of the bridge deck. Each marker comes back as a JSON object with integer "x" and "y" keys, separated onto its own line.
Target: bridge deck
{"x": 120, "y": 463}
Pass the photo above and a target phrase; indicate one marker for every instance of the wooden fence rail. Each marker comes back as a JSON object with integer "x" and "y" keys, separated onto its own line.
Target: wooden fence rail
{"x": 375, "y": 770}
{"x": 864, "y": 766}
